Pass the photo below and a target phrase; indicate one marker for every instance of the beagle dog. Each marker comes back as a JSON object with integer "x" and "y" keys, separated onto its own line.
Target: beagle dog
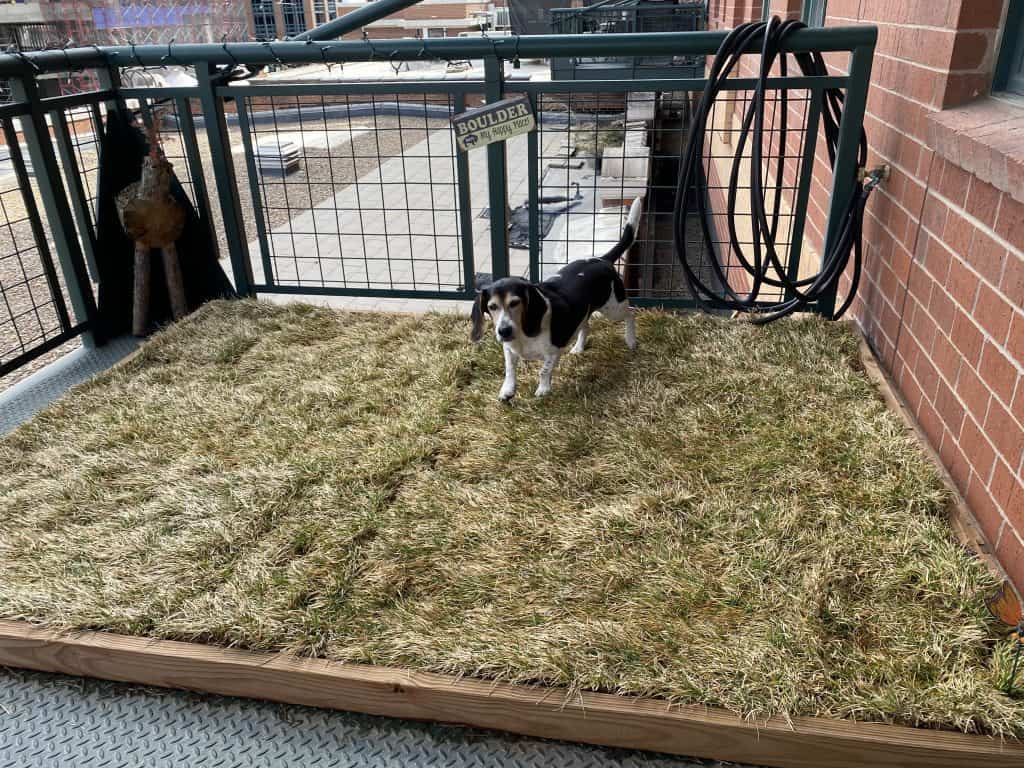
{"x": 537, "y": 321}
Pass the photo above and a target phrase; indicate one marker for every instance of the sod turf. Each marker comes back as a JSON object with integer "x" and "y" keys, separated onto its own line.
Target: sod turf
{"x": 728, "y": 515}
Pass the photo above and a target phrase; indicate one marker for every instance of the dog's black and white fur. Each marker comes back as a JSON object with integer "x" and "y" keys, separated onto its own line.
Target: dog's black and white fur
{"x": 536, "y": 321}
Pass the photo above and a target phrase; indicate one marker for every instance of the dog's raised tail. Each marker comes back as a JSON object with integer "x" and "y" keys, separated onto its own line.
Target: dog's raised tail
{"x": 628, "y": 232}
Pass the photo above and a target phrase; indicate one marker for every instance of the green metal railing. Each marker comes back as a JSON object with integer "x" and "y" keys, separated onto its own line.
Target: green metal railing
{"x": 380, "y": 202}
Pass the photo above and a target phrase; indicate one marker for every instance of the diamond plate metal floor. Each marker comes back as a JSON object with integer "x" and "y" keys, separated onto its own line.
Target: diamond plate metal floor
{"x": 48, "y": 721}
{"x": 18, "y": 403}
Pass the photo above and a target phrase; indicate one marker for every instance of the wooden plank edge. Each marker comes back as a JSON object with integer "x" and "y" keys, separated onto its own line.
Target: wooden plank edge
{"x": 961, "y": 519}
{"x": 593, "y": 718}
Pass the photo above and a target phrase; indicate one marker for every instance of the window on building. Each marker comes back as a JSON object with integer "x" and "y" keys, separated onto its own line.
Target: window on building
{"x": 1010, "y": 67}
{"x": 814, "y": 13}
{"x": 294, "y": 17}
{"x": 263, "y": 19}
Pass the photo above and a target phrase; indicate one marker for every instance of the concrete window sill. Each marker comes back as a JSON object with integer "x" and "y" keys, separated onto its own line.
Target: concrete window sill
{"x": 985, "y": 138}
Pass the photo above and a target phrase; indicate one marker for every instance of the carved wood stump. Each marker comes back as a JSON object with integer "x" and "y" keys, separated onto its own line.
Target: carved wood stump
{"x": 152, "y": 218}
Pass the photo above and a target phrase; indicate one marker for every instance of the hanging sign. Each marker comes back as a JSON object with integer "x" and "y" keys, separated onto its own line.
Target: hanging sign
{"x": 494, "y": 122}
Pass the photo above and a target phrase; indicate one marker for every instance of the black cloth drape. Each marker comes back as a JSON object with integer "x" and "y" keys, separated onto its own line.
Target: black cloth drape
{"x": 122, "y": 150}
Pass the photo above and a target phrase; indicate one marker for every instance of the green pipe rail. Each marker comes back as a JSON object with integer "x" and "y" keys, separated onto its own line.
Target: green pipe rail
{"x": 833, "y": 39}
{"x": 65, "y": 216}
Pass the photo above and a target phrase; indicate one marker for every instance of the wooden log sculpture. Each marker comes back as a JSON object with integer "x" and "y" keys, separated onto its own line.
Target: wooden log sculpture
{"x": 152, "y": 218}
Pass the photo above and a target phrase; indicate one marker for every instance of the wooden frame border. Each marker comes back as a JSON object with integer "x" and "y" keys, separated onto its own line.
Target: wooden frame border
{"x": 593, "y": 718}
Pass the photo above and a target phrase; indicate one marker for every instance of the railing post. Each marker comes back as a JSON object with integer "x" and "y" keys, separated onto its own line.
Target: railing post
{"x": 497, "y": 174}
{"x": 844, "y": 174}
{"x": 224, "y": 176}
{"x": 533, "y": 152}
{"x": 254, "y": 189}
{"x": 75, "y": 188}
{"x": 55, "y": 203}
{"x": 813, "y": 111}
{"x": 465, "y": 206}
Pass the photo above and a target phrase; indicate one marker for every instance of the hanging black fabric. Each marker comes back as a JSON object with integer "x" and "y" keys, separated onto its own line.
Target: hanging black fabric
{"x": 121, "y": 153}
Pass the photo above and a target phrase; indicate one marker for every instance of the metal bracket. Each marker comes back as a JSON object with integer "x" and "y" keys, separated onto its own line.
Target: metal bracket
{"x": 875, "y": 176}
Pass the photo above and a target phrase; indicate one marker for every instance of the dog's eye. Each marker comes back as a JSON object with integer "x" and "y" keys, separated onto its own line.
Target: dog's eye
{"x": 514, "y": 302}
{"x": 492, "y": 307}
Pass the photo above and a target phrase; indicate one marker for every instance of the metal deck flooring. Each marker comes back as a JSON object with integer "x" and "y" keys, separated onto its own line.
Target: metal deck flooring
{"x": 50, "y": 720}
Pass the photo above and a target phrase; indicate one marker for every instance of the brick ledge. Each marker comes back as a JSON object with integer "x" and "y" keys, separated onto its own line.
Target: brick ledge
{"x": 985, "y": 138}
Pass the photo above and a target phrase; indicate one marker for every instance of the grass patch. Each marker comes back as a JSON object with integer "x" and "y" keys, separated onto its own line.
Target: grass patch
{"x": 728, "y": 516}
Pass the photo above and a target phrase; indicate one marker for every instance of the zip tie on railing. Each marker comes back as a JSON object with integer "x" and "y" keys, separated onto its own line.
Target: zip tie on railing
{"x": 169, "y": 56}
{"x": 224, "y": 45}
{"x": 766, "y": 268}
{"x": 270, "y": 48}
{"x": 21, "y": 55}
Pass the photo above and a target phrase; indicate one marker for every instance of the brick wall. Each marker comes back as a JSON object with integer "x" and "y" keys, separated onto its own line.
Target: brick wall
{"x": 942, "y": 300}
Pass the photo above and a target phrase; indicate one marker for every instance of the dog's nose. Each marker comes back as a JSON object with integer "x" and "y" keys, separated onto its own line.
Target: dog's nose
{"x": 506, "y": 332}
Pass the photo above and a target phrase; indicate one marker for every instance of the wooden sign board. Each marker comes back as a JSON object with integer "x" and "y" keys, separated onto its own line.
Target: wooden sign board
{"x": 494, "y": 122}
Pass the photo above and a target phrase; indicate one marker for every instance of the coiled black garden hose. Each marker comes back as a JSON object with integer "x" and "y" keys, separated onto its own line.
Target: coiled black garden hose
{"x": 765, "y": 266}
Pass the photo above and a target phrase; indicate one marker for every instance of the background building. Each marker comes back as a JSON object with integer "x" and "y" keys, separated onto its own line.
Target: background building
{"x": 278, "y": 19}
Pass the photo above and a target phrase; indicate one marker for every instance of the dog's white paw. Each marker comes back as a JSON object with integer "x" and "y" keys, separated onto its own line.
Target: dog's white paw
{"x": 506, "y": 394}
{"x": 542, "y": 391}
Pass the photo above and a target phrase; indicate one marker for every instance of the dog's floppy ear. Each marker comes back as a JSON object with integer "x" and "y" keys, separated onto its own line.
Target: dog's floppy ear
{"x": 482, "y": 297}
{"x": 533, "y": 312}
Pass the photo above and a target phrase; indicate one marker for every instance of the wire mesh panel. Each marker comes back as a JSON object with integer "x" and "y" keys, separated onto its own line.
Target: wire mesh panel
{"x": 354, "y": 192}
{"x": 600, "y": 149}
{"x": 623, "y": 17}
{"x": 175, "y": 131}
{"x": 33, "y": 313}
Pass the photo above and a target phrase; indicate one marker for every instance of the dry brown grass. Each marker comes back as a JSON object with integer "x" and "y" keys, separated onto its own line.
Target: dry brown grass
{"x": 728, "y": 516}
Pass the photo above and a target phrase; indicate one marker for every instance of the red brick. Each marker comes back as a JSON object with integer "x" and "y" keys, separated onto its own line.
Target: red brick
{"x": 949, "y": 451}
{"x": 909, "y": 387}
{"x": 974, "y": 392}
{"x": 1010, "y": 222}
{"x": 946, "y": 357}
{"x": 1005, "y": 434}
{"x": 954, "y": 182}
{"x": 983, "y": 201}
{"x": 987, "y": 255}
{"x": 998, "y": 372}
{"x": 967, "y": 338}
{"x": 943, "y": 310}
{"x": 933, "y": 216}
{"x": 962, "y": 284}
{"x": 976, "y": 447}
{"x": 962, "y": 87}
{"x": 976, "y": 14}
{"x": 985, "y": 510}
{"x": 959, "y": 234}
{"x": 1015, "y": 338}
{"x": 920, "y": 286}
{"x": 931, "y": 422}
{"x": 1012, "y": 283}
{"x": 969, "y": 50}
{"x": 949, "y": 408}
{"x": 1017, "y": 407}
{"x": 993, "y": 313}
{"x": 1007, "y": 491}
{"x": 927, "y": 376}
{"x": 936, "y": 258}
{"x": 1010, "y": 554}
{"x": 930, "y": 47}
